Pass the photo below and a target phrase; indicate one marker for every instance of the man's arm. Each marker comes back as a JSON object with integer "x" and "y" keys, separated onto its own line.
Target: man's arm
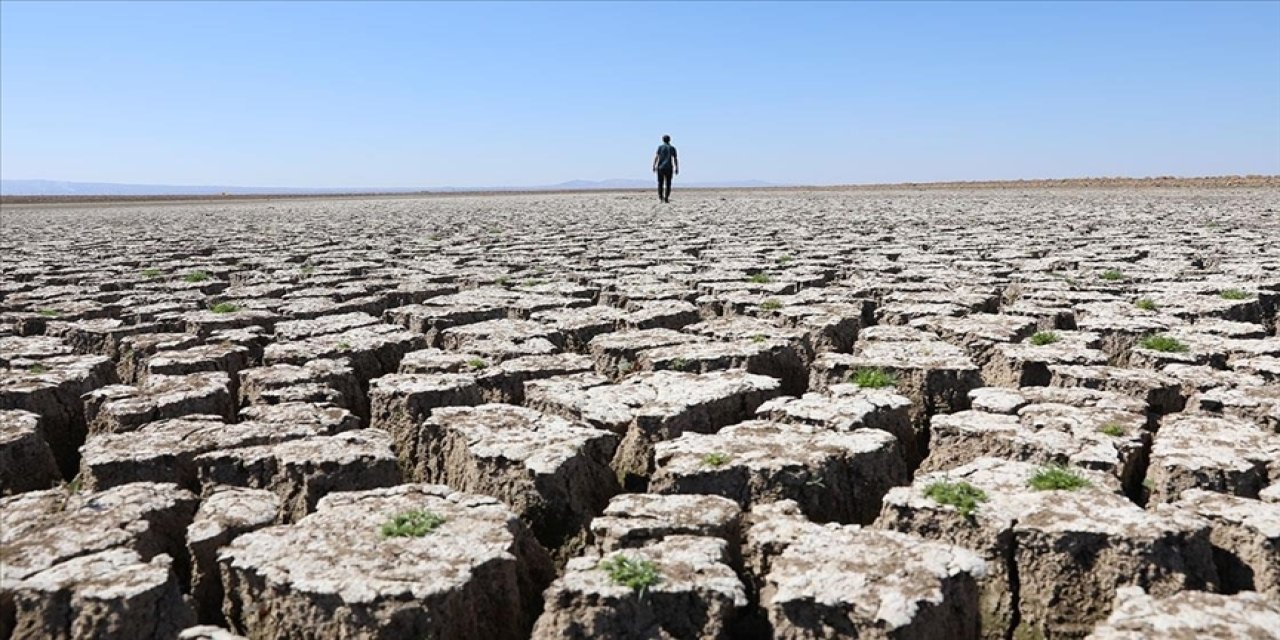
{"x": 655, "y": 162}
{"x": 675, "y": 161}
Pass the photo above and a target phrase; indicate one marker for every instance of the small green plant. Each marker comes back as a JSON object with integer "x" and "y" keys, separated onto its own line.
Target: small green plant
{"x": 49, "y": 313}
{"x": 152, "y": 273}
{"x": 771, "y": 305}
{"x": 37, "y": 369}
{"x": 1233, "y": 294}
{"x": 435, "y": 237}
{"x": 1113, "y": 275}
{"x": 476, "y": 364}
{"x": 344, "y": 346}
{"x": 638, "y": 574}
{"x": 307, "y": 269}
{"x": 224, "y": 307}
{"x": 873, "y": 378}
{"x": 532, "y": 282}
{"x": 761, "y": 278}
{"x": 785, "y": 259}
{"x": 716, "y": 459}
{"x": 1146, "y": 304}
{"x": 1057, "y": 478}
{"x": 758, "y": 338}
{"x": 75, "y": 485}
{"x": 1148, "y": 484}
{"x": 961, "y": 495}
{"x": 1113, "y": 430}
{"x": 1163, "y": 343}
{"x": 196, "y": 276}
{"x": 501, "y": 281}
{"x": 678, "y": 364}
{"x": 412, "y": 524}
{"x": 1042, "y": 338}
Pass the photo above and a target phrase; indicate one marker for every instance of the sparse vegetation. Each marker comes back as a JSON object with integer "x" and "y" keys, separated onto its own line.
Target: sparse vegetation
{"x": 1113, "y": 430}
{"x": 771, "y": 305}
{"x": 785, "y": 259}
{"x": 758, "y": 338}
{"x": 1234, "y": 294}
{"x": 1057, "y": 478}
{"x": 75, "y": 485}
{"x": 1146, "y": 304}
{"x": 196, "y": 276}
{"x": 412, "y": 524}
{"x": 307, "y": 269}
{"x": 638, "y": 574}
{"x": 716, "y": 459}
{"x": 476, "y": 364}
{"x": 501, "y": 281}
{"x": 1013, "y": 293}
{"x": 344, "y": 346}
{"x": 1113, "y": 275}
{"x": 1163, "y": 343}
{"x": 761, "y": 278}
{"x": 435, "y": 237}
{"x": 961, "y": 495}
{"x": 49, "y": 313}
{"x": 1042, "y": 338}
{"x": 37, "y": 369}
{"x": 873, "y": 378}
{"x": 224, "y": 307}
{"x": 152, "y": 273}
{"x": 678, "y": 364}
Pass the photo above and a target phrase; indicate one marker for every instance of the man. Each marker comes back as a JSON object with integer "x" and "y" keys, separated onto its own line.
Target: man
{"x": 665, "y": 164}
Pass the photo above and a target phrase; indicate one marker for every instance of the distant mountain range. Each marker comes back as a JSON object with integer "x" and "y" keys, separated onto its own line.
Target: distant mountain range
{"x": 62, "y": 188}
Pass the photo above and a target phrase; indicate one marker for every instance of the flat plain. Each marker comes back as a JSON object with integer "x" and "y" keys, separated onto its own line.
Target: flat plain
{"x": 1021, "y": 412}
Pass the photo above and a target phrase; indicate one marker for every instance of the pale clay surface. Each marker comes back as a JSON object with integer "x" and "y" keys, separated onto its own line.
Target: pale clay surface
{"x": 592, "y": 373}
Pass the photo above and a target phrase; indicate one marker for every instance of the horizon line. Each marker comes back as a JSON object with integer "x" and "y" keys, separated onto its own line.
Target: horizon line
{"x": 603, "y": 184}
{"x": 1222, "y": 181}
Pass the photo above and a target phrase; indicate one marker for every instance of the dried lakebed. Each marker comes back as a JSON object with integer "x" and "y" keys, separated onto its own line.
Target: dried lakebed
{"x": 954, "y": 414}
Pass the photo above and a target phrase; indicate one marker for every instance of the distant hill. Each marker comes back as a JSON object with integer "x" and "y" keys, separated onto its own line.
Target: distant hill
{"x": 621, "y": 183}
{"x": 63, "y": 188}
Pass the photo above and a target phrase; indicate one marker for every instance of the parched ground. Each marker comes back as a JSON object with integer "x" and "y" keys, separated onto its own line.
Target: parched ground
{"x": 1029, "y": 411}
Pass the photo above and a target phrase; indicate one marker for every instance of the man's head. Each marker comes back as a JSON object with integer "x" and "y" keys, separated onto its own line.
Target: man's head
{"x": 666, "y": 139}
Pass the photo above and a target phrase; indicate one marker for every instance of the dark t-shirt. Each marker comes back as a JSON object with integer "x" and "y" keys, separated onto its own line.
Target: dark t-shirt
{"x": 666, "y": 153}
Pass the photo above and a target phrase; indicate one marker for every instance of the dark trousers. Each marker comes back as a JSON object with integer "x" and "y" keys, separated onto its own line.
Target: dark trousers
{"x": 664, "y": 178}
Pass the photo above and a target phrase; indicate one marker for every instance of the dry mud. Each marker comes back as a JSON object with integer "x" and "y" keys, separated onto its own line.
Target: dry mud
{"x": 446, "y": 417}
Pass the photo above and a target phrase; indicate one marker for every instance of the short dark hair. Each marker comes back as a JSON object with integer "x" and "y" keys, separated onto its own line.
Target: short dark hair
{"x": 666, "y": 138}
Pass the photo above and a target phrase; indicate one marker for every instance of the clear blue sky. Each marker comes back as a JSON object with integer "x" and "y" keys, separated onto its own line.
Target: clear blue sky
{"x": 432, "y": 94}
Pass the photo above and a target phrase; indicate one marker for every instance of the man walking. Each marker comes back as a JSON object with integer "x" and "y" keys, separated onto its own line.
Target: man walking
{"x": 665, "y": 164}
